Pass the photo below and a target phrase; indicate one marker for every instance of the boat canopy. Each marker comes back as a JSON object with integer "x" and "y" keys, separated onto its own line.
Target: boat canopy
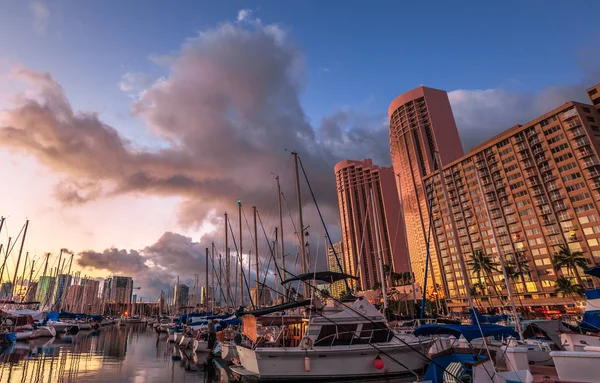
{"x": 274, "y": 309}
{"x": 548, "y": 328}
{"x": 470, "y": 332}
{"x": 36, "y": 315}
{"x": 478, "y": 318}
{"x": 325, "y": 276}
{"x": 594, "y": 271}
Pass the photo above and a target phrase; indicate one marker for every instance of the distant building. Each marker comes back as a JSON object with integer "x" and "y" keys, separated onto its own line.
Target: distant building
{"x": 182, "y": 293}
{"x": 73, "y": 299}
{"x": 45, "y": 290}
{"x": 118, "y": 290}
{"x": 6, "y": 290}
{"x": 337, "y": 288}
{"x": 31, "y": 292}
{"x": 63, "y": 281}
{"x": 90, "y": 294}
{"x": 263, "y": 298}
{"x": 359, "y": 184}
{"x": 210, "y": 297}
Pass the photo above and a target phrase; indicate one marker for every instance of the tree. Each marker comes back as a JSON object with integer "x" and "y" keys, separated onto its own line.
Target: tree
{"x": 481, "y": 263}
{"x": 572, "y": 260}
{"x": 565, "y": 287}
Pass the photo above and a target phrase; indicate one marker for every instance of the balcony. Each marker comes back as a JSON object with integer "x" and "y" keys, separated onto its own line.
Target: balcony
{"x": 576, "y": 133}
{"x": 529, "y": 173}
{"x": 549, "y": 177}
{"x": 533, "y": 182}
{"x": 500, "y": 185}
{"x": 490, "y": 198}
{"x": 548, "y": 221}
{"x": 537, "y": 191}
{"x": 528, "y": 164}
{"x": 564, "y": 216}
{"x": 486, "y": 180}
{"x": 481, "y": 165}
{"x": 538, "y": 150}
{"x": 590, "y": 162}
{"x": 593, "y": 173}
{"x": 596, "y": 184}
{"x": 531, "y": 133}
{"x": 540, "y": 201}
{"x": 546, "y": 168}
{"x": 524, "y": 156}
{"x": 535, "y": 141}
{"x": 585, "y": 153}
{"x": 505, "y": 202}
{"x": 556, "y": 197}
{"x": 545, "y": 210}
{"x": 494, "y": 168}
{"x": 488, "y": 189}
{"x": 502, "y": 194}
{"x": 519, "y": 139}
{"x": 560, "y": 206}
{"x": 497, "y": 177}
{"x": 573, "y": 123}
{"x": 552, "y": 186}
{"x": 540, "y": 159}
{"x": 494, "y": 205}
{"x": 521, "y": 147}
{"x": 581, "y": 143}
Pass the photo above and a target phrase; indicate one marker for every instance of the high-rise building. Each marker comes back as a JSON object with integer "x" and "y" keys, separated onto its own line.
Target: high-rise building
{"x": 31, "y": 292}
{"x": 358, "y": 184}
{"x": 119, "y": 290}
{"x": 90, "y": 294}
{"x": 63, "y": 281}
{"x": 182, "y": 293}
{"x": 421, "y": 125}
{"x": 516, "y": 198}
{"x": 45, "y": 290}
{"x": 337, "y": 288}
{"x": 73, "y": 299}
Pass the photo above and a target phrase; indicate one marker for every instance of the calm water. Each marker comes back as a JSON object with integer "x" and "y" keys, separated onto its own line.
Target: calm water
{"x": 114, "y": 354}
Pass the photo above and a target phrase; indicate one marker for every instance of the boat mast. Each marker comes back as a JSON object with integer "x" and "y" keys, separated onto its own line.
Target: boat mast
{"x": 301, "y": 222}
{"x": 6, "y": 252}
{"x": 258, "y": 294}
{"x": 282, "y": 245}
{"x": 241, "y": 257}
{"x": 221, "y": 280}
{"x": 227, "y": 277}
{"x": 19, "y": 258}
{"x": 70, "y": 264}
{"x": 214, "y": 269}
{"x": 24, "y": 269}
{"x": 379, "y": 252}
{"x": 206, "y": 282}
{"x": 504, "y": 273}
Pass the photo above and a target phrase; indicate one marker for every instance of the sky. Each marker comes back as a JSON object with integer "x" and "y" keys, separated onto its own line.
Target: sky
{"x": 128, "y": 128}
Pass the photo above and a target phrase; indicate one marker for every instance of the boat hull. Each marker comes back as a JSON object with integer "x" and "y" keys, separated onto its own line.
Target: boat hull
{"x": 185, "y": 341}
{"x": 200, "y": 346}
{"x": 228, "y": 351}
{"x": 577, "y": 342}
{"x": 328, "y": 363}
{"x": 576, "y": 366}
{"x": 24, "y": 335}
{"x": 44, "y": 332}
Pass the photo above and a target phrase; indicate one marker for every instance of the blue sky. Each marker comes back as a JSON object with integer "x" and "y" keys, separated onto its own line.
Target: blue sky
{"x": 501, "y": 62}
{"x": 357, "y": 54}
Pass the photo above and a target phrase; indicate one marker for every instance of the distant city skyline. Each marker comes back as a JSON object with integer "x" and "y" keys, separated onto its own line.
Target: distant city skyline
{"x": 156, "y": 141}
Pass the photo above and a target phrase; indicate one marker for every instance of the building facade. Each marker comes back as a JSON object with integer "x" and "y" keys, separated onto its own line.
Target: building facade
{"x": 337, "y": 288}
{"x": 63, "y": 281}
{"x": 359, "y": 183}
{"x": 45, "y": 290}
{"x": 515, "y": 199}
{"x": 120, "y": 290}
{"x": 73, "y": 299}
{"x": 89, "y": 298}
{"x": 182, "y": 293}
{"x": 421, "y": 125}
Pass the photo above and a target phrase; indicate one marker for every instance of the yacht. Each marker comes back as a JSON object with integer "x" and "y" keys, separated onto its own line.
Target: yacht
{"x": 350, "y": 341}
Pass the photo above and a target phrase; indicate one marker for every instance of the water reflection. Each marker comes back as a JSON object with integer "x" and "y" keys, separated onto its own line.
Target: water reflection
{"x": 115, "y": 354}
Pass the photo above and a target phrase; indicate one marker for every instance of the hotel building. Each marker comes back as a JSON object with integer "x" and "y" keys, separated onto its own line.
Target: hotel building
{"x": 517, "y": 197}
{"x": 358, "y": 184}
{"x": 421, "y": 125}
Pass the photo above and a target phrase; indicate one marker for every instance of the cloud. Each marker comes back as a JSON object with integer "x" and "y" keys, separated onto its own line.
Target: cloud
{"x": 481, "y": 114}
{"x": 244, "y": 14}
{"x": 136, "y": 82}
{"x": 41, "y": 16}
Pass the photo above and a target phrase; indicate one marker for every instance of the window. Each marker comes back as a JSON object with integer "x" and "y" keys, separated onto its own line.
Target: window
{"x": 559, "y": 148}
{"x": 595, "y": 128}
{"x": 576, "y": 186}
{"x": 525, "y": 212}
{"x": 517, "y": 185}
{"x": 508, "y": 159}
{"x": 511, "y": 168}
{"x": 582, "y": 208}
{"x": 520, "y": 194}
{"x": 563, "y": 157}
{"x": 580, "y": 197}
{"x": 571, "y": 177}
{"x": 374, "y": 332}
{"x": 586, "y": 110}
{"x": 591, "y": 230}
{"x": 337, "y": 336}
{"x": 590, "y": 119}
{"x": 588, "y": 219}
{"x": 593, "y": 92}
{"x": 524, "y": 202}
{"x": 551, "y": 130}
{"x": 554, "y": 140}
{"x": 565, "y": 167}
{"x": 513, "y": 177}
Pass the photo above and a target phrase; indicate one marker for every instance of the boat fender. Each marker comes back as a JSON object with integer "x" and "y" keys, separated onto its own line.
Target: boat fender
{"x": 306, "y": 343}
{"x": 307, "y": 363}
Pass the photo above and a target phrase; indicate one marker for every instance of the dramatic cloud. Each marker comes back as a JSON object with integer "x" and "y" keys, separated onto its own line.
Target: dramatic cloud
{"x": 41, "y": 16}
{"x": 136, "y": 82}
{"x": 243, "y": 14}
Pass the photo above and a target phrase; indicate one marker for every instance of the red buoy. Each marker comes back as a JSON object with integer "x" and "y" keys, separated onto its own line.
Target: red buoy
{"x": 378, "y": 363}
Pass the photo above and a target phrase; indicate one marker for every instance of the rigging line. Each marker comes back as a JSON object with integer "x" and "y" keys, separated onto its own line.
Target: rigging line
{"x": 337, "y": 259}
{"x": 245, "y": 281}
{"x": 421, "y": 353}
{"x": 270, "y": 249}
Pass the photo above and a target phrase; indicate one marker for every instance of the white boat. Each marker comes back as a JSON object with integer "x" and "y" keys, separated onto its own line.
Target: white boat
{"x": 177, "y": 337}
{"x": 228, "y": 351}
{"x": 60, "y": 326}
{"x": 24, "y": 334}
{"x": 185, "y": 340}
{"x": 43, "y": 332}
{"x": 84, "y": 326}
{"x": 577, "y": 366}
{"x": 341, "y": 342}
{"x": 200, "y": 346}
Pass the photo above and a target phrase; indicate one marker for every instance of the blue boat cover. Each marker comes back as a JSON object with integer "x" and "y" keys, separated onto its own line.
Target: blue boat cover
{"x": 435, "y": 371}
{"x": 53, "y": 316}
{"x": 590, "y": 321}
{"x": 593, "y": 271}
{"x": 476, "y": 317}
{"x": 470, "y": 332}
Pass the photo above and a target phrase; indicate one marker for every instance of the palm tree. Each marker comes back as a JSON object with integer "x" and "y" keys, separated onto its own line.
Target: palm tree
{"x": 565, "y": 287}
{"x": 480, "y": 263}
{"x": 513, "y": 273}
{"x": 572, "y": 260}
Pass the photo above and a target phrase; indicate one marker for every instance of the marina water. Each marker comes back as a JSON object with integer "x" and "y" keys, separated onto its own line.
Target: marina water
{"x": 115, "y": 354}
